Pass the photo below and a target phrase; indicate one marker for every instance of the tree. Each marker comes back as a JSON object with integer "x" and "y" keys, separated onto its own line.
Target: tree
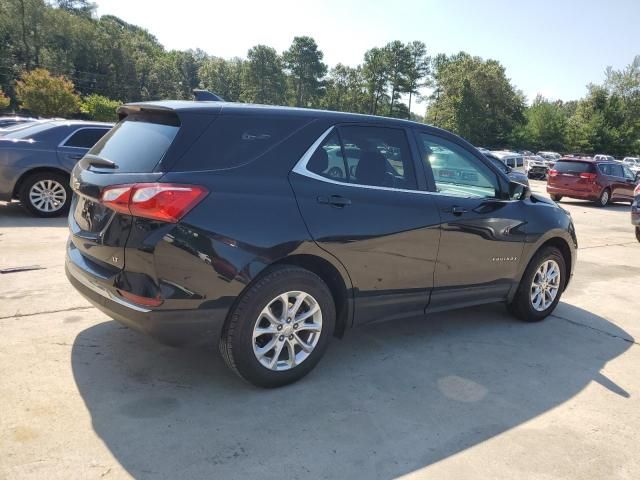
{"x": 303, "y": 60}
{"x": 376, "y": 76}
{"x": 4, "y": 100}
{"x": 419, "y": 68}
{"x": 546, "y": 125}
{"x": 264, "y": 78}
{"x": 222, "y": 77}
{"x": 99, "y": 108}
{"x": 397, "y": 58}
{"x": 474, "y": 98}
{"x": 46, "y": 95}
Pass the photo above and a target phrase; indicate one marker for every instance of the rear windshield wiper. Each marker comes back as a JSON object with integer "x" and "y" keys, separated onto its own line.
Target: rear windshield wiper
{"x": 96, "y": 161}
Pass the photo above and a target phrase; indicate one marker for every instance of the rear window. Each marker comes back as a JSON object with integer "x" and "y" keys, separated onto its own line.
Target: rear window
{"x": 574, "y": 167}
{"x": 234, "y": 140}
{"x": 136, "y": 144}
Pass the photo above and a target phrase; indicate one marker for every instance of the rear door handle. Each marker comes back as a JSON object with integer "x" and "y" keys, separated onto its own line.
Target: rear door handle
{"x": 335, "y": 200}
{"x": 456, "y": 210}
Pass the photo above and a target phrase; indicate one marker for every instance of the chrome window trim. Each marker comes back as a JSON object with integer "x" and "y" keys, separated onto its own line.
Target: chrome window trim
{"x": 301, "y": 169}
{"x": 62, "y": 143}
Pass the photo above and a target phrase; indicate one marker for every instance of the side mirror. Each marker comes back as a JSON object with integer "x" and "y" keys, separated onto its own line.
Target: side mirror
{"x": 518, "y": 191}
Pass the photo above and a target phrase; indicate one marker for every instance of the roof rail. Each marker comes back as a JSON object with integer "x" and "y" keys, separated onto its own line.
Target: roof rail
{"x": 205, "y": 95}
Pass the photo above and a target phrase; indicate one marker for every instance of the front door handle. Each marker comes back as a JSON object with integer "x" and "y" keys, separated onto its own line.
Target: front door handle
{"x": 76, "y": 156}
{"x": 456, "y": 210}
{"x": 335, "y": 200}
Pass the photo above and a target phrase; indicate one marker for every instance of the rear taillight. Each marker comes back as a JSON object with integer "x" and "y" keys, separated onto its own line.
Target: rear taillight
{"x": 167, "y": 202}
{"x": 636, "y": 191}
{"x": 591, "y": 177}
{"x": 553, "y": 173}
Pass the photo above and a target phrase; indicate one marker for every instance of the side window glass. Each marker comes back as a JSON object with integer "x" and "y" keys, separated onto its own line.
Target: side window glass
{"x": 605, "y": 169}
{"x": 628, "y": 174}
{"x": 85, "y": 138}
{"x": 378, "y": 156}
{"x": 457, "y": 172}
{"x": 616, "y": 171}
{"x": 328, "y": 161}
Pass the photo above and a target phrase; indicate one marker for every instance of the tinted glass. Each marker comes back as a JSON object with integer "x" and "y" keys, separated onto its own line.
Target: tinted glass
{"x": 239, "y": 139}
{"x": 573, "y": 167}
{"x": 136, "y": 145}
{"x": 86, "y": 137}
{"x": 328, "y": 160}
{"x": 378, "y": 156}
{"x": 456, "y": 171}
{"x": 628, "y": 173}
{"x": 616, "y": 171}
{"x": 605, "y": 168}
{"x": 498, "y": 164}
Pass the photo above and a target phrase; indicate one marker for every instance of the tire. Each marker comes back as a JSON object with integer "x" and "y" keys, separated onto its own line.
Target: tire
{"x": 604, "y": 199}
{"x": 522, "y": 305}
{"x": 555, "y": 198}
{"x": 638, "y": 233}
{"x": 46, "y": 194}
{"x": 238, "y": 345}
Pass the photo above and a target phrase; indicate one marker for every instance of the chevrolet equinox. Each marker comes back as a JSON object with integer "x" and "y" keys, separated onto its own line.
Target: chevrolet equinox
{"x": 273, "y": 229}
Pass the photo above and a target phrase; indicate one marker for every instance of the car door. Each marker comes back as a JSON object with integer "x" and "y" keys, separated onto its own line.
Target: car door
{"x": 629, "y": 182}
{"x": 482, "y": 234}
{"x": 376, "y": 219}
{"x": 73, "y": 148}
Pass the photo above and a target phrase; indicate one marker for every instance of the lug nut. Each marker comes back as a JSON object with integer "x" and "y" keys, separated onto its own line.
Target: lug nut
{"x": 281, "y": 338}
{"x": 291, "y": 337}
{"x": 279, "y": 327}
{"x": 295, "y": 325}
{"x": 288, "y": 320}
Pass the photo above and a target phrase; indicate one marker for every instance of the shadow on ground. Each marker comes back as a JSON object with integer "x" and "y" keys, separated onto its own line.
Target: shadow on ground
{"x": 387, "y": 400}
{"x": 12, "y": 214}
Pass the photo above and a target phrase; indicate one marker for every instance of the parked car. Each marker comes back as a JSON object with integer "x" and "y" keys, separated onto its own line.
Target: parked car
{"x": 551, "y": 157}
{"x": 633, "y": 163}
{"x": 601, "y": 182}
{"x": 8, "y": 121}
{"x": 508, "y": 171}
{"x": 20, "y": 126}
{"x": 513, "y": 160}
{"x": 526, "y": 153}
{"x": 35, "y": 163}
{"x": 193, "y": 221}
{"x": 635, "y": 211}
{"x": 604, "y": 158}
{"x": 536, "y": 166}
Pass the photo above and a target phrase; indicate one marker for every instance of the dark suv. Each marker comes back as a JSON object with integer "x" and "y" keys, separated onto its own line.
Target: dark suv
{"x": 601, "y": 182}
{"x": 197, "y": 221}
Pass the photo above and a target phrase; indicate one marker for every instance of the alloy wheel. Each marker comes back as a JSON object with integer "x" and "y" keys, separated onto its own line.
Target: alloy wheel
{"x": 287, "y": 330}
{"x": 47, "y": 196}
{"x": 545, "y": 285}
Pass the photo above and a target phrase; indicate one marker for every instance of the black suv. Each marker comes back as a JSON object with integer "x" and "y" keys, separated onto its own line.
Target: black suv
{"x": 274, "y": 229}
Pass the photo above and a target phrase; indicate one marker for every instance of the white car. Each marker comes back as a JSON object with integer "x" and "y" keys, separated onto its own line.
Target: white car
{"x": 633, "y": 163}
{"x": 537, "y": 166}
{"x": 604, "y": 158}
{"x": 511, "y": 159}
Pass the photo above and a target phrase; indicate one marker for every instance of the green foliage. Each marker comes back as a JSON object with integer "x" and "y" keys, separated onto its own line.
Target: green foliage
{"x": 107, "y": 58}
{"x": 474, "y": 98}
{"x": 264, "y": 78}
{"x": 99, "y": 108}
{"x": 46, "y": 95}
{"x": 303, "y": 60}
{"x": 4, "y": 100}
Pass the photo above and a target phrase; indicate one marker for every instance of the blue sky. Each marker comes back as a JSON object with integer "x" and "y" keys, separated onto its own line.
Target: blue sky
{"x": 550, "y": 47}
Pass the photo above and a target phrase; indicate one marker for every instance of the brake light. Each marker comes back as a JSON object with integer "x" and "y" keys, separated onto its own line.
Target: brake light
{"x": 591, "y": 177}
{"x": 167, "y": 202}
{"x": 140, "y": 300}
{"x": 553, "y": 173}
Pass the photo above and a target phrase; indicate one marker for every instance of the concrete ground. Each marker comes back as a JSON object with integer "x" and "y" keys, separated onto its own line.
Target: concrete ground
{"x": 465, "y": 394}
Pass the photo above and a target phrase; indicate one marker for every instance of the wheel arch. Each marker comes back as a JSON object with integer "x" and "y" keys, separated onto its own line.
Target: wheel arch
{"x": 18, "y": 185}
{"x": 332, "y": 277}
{"x": 561, "y": 244}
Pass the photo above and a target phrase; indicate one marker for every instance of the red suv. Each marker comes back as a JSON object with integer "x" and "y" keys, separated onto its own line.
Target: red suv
{"x": 601, "y": 182}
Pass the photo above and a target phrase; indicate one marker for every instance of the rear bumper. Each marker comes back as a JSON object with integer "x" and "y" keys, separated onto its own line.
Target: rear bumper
{"x": 579, "y": 194}
{"x": 172, "y": 327}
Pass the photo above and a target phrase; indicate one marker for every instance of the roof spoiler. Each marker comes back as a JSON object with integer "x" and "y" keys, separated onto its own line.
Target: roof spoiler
{"x": 205, "y": 95}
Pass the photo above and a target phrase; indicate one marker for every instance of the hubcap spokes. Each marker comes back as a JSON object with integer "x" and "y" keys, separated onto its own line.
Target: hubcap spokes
{"x": 545, "y": 285}
{"x": 287, "y": 330}
{"x": 48, "y": 195}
